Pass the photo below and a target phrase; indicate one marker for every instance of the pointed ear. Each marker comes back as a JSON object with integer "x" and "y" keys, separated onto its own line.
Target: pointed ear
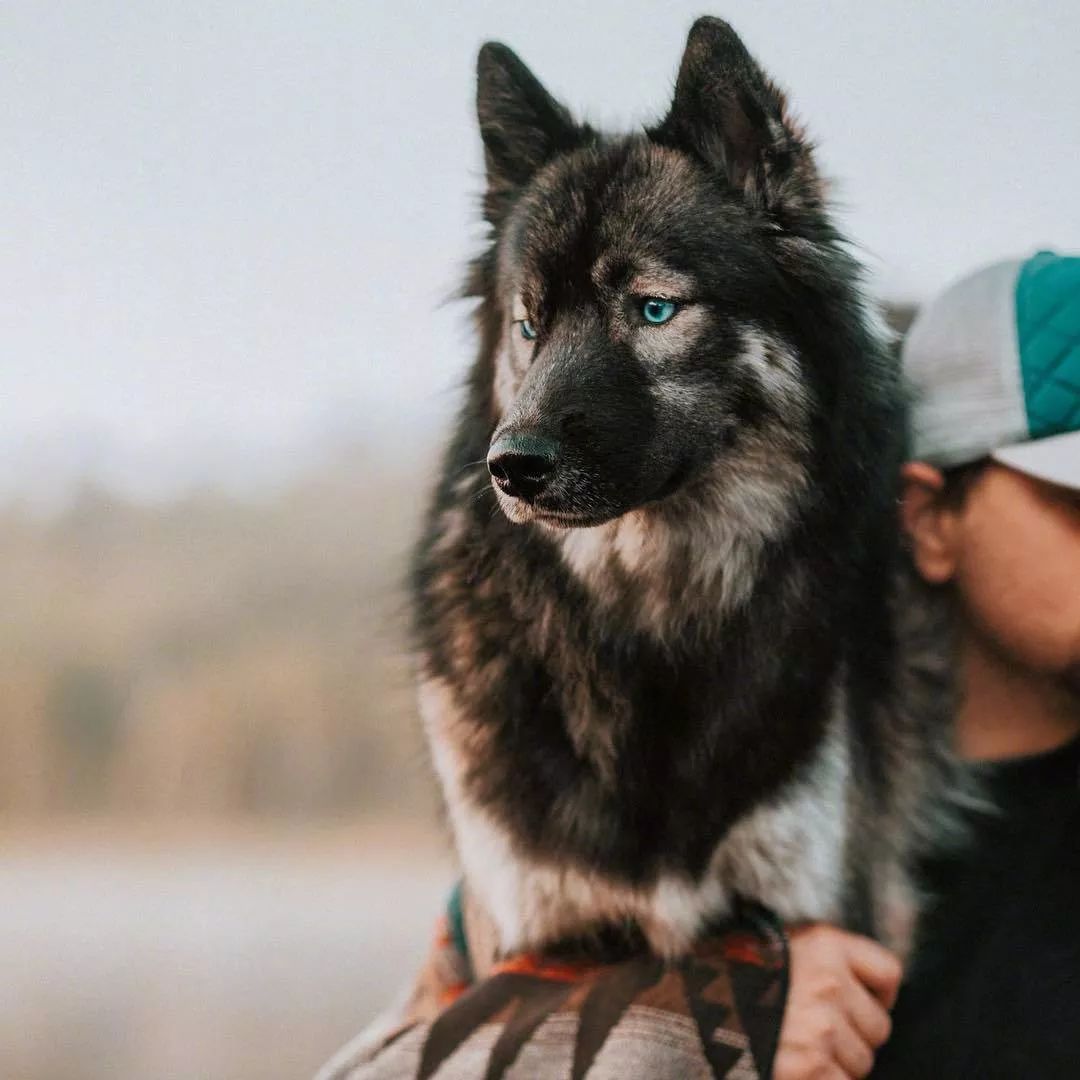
{"x": 521, "y": 124}
{"x": 729, "y": 115}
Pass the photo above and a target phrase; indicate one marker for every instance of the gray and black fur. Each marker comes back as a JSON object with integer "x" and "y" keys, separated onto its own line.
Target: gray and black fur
{"x": 653, "y": 597}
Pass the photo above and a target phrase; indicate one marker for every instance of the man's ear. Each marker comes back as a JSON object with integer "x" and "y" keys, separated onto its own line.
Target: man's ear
{"x": 729, "y": 115}
{"x": 929, "y": 523}
{"x": 521, "y": 124}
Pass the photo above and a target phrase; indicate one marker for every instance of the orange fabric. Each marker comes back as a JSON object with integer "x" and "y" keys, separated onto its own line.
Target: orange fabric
{"x": 532, "y": 964}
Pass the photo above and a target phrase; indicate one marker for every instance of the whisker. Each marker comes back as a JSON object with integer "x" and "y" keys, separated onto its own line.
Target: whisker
{"x": 472, "y": 464}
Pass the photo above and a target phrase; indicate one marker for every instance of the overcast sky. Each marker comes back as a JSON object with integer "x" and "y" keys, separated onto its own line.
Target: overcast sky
{"x": 227, "y": 227}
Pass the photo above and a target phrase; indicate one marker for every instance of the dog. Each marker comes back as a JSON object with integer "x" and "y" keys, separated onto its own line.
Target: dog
{"x": 655, "y": 610}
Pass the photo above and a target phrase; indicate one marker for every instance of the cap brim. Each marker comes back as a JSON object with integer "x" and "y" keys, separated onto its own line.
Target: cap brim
{"x": 1055, "y": 459}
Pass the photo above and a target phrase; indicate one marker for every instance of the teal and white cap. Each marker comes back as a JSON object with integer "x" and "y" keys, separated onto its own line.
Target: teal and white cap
{"x": 994, "y": 362}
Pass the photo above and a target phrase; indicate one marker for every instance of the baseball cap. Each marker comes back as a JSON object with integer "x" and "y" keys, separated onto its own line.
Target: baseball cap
{"x": 995, "y": 365}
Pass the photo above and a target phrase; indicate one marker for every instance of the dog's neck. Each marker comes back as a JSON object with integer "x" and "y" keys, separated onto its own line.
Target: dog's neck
{"x": 686, "y": 563}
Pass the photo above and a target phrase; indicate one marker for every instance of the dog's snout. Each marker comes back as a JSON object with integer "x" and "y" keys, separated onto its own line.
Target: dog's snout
{"x": 521, "y": 465}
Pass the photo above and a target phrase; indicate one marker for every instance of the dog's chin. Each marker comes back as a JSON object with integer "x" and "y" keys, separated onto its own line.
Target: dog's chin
{"x": 522, "y": 513}
{"x": 555, "y": 516}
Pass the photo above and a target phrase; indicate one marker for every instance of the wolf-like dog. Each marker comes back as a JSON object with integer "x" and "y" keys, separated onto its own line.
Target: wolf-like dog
{"x": 653, "y": 599}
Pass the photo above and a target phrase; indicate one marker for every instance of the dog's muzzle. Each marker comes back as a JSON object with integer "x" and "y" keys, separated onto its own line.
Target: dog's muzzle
{"x": 522, "y": 465}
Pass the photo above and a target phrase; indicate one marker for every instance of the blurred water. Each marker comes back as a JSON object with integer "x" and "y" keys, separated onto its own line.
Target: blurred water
{"x": 228, "y": 959}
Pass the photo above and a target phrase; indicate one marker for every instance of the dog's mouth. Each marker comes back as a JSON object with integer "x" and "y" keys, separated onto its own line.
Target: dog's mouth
{"x": 678, "y": 477}
{"x": 558, "y": 514}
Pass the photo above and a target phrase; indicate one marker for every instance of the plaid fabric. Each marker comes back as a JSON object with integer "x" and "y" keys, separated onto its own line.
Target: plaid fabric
{"x": 714, "y": 1014}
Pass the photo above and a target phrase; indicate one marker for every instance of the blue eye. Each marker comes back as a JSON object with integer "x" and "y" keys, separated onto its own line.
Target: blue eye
{"x": 658, "y": 311}
{"x": 528, "y": 331}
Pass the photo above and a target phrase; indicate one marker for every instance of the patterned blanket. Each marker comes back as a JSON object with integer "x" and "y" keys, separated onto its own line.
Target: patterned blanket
{"x": 604, "y": 1009}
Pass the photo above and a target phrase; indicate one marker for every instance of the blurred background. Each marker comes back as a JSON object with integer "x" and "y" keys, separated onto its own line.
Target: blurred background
{"x": 226, "y": 365}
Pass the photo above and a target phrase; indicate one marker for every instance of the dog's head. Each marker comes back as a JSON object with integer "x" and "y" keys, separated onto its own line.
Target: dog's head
{"x": 648, "y": 293}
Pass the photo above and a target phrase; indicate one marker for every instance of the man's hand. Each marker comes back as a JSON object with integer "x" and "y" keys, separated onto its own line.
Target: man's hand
{"x": 842, "y": 987}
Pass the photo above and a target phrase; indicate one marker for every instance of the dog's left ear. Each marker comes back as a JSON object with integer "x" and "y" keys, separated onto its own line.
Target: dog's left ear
{"x": 521, "y": 124}
{"x": 730, "y": 116}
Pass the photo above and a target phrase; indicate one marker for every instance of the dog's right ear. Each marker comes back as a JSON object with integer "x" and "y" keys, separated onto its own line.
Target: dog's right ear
{"x": 730, "y": 115}
{"x": 521, "y": 124}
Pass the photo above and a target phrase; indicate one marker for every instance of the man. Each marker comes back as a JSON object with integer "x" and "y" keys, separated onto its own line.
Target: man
{"x": 991, "y": 509}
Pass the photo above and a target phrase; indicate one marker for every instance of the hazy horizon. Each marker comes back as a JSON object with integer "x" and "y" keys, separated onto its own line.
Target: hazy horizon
{"x": 229, "y": 229}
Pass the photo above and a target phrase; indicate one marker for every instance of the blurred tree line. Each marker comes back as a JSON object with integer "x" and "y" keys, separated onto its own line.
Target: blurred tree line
{"x": 212, "y": 656}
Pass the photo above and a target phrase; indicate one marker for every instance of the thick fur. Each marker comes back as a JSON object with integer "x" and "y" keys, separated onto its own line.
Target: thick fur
{"x": 673, "y": 676}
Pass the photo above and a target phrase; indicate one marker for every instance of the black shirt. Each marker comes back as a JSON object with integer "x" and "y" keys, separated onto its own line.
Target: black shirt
{"x": 993, "y": 986}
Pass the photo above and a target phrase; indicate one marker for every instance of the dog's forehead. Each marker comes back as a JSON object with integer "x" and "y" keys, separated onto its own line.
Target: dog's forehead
{"x": 598, "y": 218}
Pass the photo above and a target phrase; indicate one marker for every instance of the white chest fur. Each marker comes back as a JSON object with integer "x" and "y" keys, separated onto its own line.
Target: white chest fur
{"x": 788, "y": 853}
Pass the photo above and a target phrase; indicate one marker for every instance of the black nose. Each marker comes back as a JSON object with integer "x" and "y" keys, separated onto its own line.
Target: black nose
{"x": 521, "y": 465}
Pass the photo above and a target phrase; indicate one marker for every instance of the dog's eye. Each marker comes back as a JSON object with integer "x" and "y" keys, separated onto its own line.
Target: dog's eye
{"x": 528, "y": 331}
{"x": 657, "y": 311}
